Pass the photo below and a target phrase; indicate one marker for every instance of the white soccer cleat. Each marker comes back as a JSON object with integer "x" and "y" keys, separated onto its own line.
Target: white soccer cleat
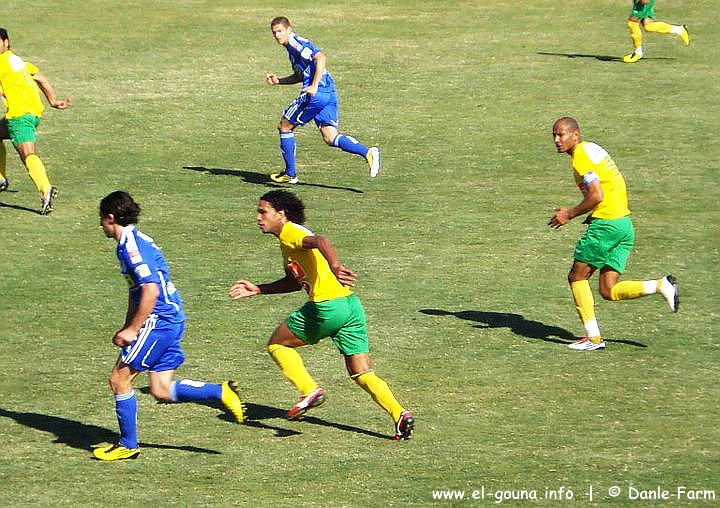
{"x": 373, "y": 158}
{"x": 669, "y": 291}
{"x": 586, "y": 344}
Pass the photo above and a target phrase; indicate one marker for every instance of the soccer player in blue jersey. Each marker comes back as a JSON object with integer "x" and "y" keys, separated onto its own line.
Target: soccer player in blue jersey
{"x": 317, "y": 101}
{"x": 150, "y": 337}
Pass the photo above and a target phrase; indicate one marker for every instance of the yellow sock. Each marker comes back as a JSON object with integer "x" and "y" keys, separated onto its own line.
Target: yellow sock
{"x": 627, "y": 290}
{"x": 635, "y": 33}
{"x": 584, "y": 301}
{"x": 36, "y": 170}
{"x": 292, "y": 368}
{"x": 3, "y": 160}
{"x": 585, "y": 306}
{"x": 380, "y": 392}
{"x": 659, "y": 27}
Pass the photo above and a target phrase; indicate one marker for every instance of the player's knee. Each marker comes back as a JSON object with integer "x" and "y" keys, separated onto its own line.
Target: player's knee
{"x": 161, "y": 394}
{"x": 118, "y": 385}
{"x": 573, "y": 277}
{"x": 606, "y": 294}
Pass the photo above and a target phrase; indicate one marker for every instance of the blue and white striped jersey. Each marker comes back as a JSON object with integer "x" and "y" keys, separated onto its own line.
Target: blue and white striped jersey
{"x": 142, "y": 262}
{"x": 301, "y": 52}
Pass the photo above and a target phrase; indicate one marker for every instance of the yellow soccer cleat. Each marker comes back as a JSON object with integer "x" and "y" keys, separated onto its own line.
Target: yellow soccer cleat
{"x": 115, "y": 452}
{"x": 685, "y": 35}
{"x": 632, "y": 57}
{"x": 231, "y": 400}
{"x": 284, "y": 178}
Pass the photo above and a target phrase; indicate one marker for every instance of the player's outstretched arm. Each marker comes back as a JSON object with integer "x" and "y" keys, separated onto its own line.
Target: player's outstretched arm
{"x": 245, "y": 288}
{"x": 49, "y": 92}
{"x": 272, "y": 79}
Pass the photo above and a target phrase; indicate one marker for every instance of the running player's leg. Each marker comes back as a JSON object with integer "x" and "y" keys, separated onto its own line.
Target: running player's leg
{"x": 281, "y": 348}
{"x": 328, "y": 122}
{"x": 660, "y": 27}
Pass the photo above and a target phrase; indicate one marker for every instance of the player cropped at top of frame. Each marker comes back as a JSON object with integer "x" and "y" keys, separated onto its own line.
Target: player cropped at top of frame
{"x": 609, "y": 237}
{"x": 150, "y": 338}
{"x": 318, "y": 102}
{"x": 643, "y": 12}
{"x": 332, "y": 310}
{"x": 20, "y": 83}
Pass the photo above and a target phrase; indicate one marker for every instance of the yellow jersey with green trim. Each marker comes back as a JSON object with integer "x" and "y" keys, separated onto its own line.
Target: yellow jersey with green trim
{"x": 308, "y": 266}
{"x": 21, "y": 94}
{"x": 591, "y": 162}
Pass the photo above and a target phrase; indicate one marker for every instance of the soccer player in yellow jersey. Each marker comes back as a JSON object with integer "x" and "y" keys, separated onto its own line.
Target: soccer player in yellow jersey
{"x": 19, "y": 82}
{"x": 609, "y": 238}
{"x": 311, "y": 263}
{"x": 643, "y": 11}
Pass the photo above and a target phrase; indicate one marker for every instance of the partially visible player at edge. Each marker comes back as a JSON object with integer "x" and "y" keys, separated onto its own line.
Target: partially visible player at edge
{"x": 317, "y": 101}
{"x": 643, "y": 11}
{"x": 311, "y": 263}
{"x": 19, "y": 83}
{"x": 609, "y": 238}
{"x": 153, "y": 329}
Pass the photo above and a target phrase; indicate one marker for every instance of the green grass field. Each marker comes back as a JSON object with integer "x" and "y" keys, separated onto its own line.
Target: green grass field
{"x": 463, "y": 283}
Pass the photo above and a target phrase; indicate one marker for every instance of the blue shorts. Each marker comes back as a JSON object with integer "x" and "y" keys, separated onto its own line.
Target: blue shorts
{"x": 156, "y": 347}
{"x": 323, "y": 108}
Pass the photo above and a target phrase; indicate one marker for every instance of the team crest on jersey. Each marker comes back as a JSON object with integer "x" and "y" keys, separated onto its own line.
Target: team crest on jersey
{"x": 297, "y": 271}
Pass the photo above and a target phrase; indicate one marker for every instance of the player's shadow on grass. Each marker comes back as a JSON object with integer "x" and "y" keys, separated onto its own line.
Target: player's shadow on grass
{"x": 518, "y": 325}
{"x": 19, "y": 207}
{"x": 257, "y": 412}
{"x": 602, "y": 58}
{"x": 263, "y": 179}
{"x": 81, "y": 435}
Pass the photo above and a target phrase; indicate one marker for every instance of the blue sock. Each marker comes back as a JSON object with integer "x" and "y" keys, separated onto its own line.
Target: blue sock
{"x": 187, "y": 390}
{"x": 126, "y": 410}
{"x": 287, "y": 148}
{"x": 349, "y": 144}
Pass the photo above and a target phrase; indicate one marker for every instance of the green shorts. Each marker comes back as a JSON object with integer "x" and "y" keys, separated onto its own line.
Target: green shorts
{"x": 606, "y": 243}
{"x": 641, "y": 11}
{"x": 21, "y": 129}
{"x": 342, "y": 319}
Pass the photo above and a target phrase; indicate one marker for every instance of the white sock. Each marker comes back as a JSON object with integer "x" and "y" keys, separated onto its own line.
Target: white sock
{"x": 650, "y": 287}
{"x": 592, "y": 329}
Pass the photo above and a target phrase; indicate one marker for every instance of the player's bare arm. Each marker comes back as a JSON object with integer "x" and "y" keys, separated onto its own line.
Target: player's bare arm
{"x": 148, "y": 297}
{"x": 592, "y": 196}
{"x": 49, "y": 92}
{"x": 344, "y": 275}
{"x": 320, "y": 66}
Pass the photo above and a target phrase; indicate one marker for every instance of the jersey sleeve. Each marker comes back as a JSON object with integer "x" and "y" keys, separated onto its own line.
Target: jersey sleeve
{"x": 292, "y": 236}
{"x": 582, "y": 164}
{"x": 138, "y": 265}
{"x": 32, "y": 70}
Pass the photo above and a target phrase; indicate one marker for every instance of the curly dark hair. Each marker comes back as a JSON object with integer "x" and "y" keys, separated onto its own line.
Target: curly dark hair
{"x": 123, "y": 207}
{"x": 287, "y": 201}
